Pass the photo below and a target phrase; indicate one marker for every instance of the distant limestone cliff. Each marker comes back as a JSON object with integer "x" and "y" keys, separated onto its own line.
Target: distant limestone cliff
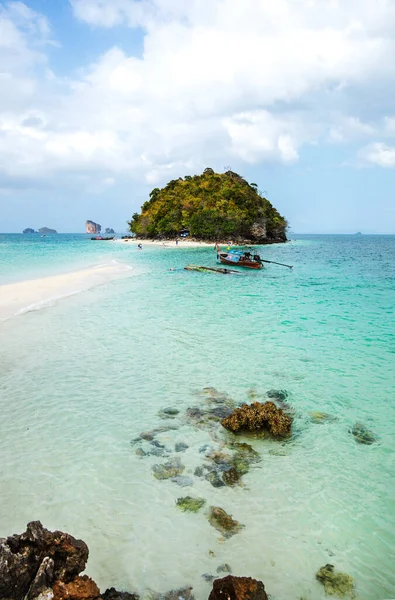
{"x": 92, "y": 227}
{"x": 47, "y": 230}
{"x": 211, "y": 206}
{"x": 28, "y": 230}
{"x": 109, "y": 230}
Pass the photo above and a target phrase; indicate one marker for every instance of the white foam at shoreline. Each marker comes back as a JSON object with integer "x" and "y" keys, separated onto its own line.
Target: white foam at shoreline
{"x": 34, "y": 294}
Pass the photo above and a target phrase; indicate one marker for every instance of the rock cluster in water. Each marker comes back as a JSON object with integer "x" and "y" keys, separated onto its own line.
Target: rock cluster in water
{"x": 335, "y": 582}
{"x": 259, "y": 417}
{"x": 224, "y": 461}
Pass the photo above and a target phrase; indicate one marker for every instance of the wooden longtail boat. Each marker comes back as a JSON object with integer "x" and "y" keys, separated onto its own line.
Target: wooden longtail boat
{"x": 204, "y": 269}
{"x": 103, "y": 239}
{"x": 241, "y": 259}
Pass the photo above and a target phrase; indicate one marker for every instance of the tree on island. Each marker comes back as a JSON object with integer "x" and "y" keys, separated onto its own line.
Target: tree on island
{"x": 210, "y": 206}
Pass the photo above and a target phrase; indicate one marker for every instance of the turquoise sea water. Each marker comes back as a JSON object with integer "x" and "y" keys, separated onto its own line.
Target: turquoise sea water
{"x": 81, "y": 378}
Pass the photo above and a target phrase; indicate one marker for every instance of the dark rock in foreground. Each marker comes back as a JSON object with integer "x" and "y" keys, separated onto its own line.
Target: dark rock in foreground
{"x": 238, "y": 588}
{"x": 258, "y": 417}
{"x": 46, "y": 565}
{"x": 36, "y": 559}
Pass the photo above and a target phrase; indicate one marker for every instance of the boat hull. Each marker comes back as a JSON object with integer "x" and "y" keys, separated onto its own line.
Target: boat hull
{"x": 247, "y": 264}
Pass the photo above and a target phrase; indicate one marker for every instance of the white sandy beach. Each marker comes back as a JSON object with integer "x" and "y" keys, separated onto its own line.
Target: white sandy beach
{"x": 24, "y": 296}
{"x": 182, "y": 243}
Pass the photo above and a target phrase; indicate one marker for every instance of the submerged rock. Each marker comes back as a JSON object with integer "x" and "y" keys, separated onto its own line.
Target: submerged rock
{"x": 182, "y": 480}
{"x": 184, "y": 593}
{"x": 278, "y": 452}
{"x": 205, "y": 448}
{"x": 228, "y": 468}
{"x": 223, "y": 522}
{"x": 225, "y": 568}
{"x": 246, "y": 451}
{"x": 112, "y": 594}
{"x": 231, "y": 476}
{"x": 168, "y": 413}
{"x": 322, "y": 417}
{"x": 241, "y": 465}
{"x": 159, "y": 452}
{"x": 189, "y": 504}
{"x": 181, "y": 447}
{"x": 238, "y": 588}
{"x": 257, "y": 417}
{"x": 207, "y": 418}
{"x": 335, "y": 583}
{"x": 279, "y": 395}
{"x": 140, "y": 452}
{"x": 168, "y": 470}
{"x": 157, "y": 444}
{"x": 215, "y": 479}
{"x": 213, "y": 396}
{"x": 150, "y": 435}
{"x": 362, "y": 434}
{"x": 207, "y": 577}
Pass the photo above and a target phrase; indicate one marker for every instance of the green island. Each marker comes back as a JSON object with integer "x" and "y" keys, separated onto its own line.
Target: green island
{"x": 210, "y": 207}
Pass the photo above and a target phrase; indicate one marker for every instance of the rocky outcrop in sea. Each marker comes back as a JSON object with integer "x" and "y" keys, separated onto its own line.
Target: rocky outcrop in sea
{"x": 47, "y": 230}
{"x": 92, "y": 227}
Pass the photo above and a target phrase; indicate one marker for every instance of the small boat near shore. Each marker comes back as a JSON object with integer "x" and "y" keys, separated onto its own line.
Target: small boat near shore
{"x": 102, "y": 239}
{"x": 241, "y": 259}
{"x": 203, "y": 269}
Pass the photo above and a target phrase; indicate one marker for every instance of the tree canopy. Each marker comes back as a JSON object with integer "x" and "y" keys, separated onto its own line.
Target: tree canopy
{"x": 210, "y": 206}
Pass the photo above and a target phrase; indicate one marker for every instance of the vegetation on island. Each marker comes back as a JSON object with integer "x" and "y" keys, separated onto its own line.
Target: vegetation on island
{"x": 211, "y": 206}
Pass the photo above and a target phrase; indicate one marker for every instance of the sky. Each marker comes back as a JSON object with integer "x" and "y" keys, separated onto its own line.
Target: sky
{"x": 103, "y": 100}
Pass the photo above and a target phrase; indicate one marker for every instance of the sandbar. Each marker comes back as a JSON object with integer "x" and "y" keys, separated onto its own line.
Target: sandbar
{"x": 25, "y": 296}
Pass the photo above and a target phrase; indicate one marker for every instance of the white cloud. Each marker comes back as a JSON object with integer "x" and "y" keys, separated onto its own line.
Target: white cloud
{"x": 379, "y": 154}
{"x": 220, "y": 81}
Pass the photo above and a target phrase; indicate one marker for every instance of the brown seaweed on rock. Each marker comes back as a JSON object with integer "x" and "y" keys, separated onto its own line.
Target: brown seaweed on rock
{"x": 258, "y": 417}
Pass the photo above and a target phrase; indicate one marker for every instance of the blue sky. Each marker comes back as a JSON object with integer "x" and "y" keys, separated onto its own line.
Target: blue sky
{"x": 102, "y": 100}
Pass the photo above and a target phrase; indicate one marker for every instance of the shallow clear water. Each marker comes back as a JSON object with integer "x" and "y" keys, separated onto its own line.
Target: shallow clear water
{"x": 82, "y": 378}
